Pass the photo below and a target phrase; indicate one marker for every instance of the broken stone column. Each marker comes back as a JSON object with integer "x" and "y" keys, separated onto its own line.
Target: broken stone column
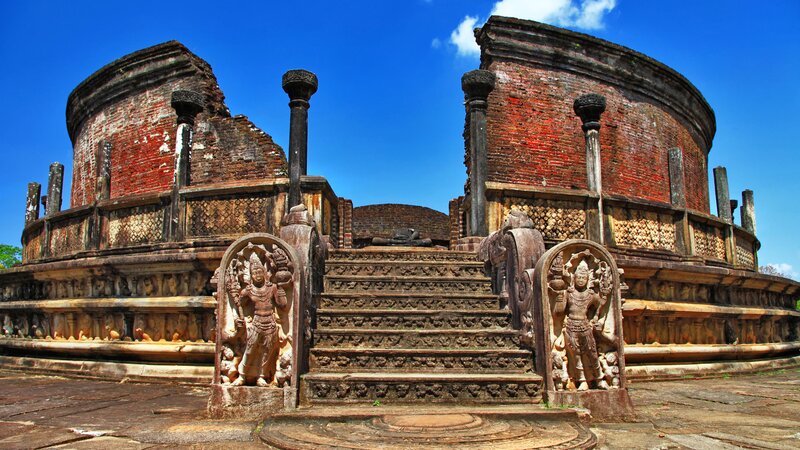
{"x": 300, "y": 85}
{"x": 748, "y": 211}
{"x": 32, "y": 202}
{"x": 589, "y": 108}
{"x": 723, "y": 196}
{"x": 477, "y": 86}
{"x": 187, "y": 105}
{"x": 103, "y": 188}
{"x": 55, "y": 183}
{"x": 677, "y": 195}
{"x": 677, "y": 186}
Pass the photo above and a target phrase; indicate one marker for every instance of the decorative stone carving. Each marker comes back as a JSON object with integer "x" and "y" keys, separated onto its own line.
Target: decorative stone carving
{"x": 257, "y": 283}
{"x": 578, "y": 313}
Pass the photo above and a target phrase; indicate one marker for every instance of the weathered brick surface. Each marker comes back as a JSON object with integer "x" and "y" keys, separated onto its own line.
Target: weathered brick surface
{"x": 128, "y": 104}
{"x": 535, "y": 138}
{"x": 381, "y": 221}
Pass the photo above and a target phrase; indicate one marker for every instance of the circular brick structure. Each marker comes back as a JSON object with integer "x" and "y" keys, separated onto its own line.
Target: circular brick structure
{"x": 382, "y": 220}
{"x": 534, "y": 136}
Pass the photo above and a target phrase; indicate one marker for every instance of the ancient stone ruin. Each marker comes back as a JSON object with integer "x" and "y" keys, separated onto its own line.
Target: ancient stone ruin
{"x": 581, "y": 255}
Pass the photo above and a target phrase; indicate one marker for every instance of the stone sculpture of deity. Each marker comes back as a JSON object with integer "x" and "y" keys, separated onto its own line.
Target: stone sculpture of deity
{"x": 256, "y": 283}
{"x": 582, "y": 332}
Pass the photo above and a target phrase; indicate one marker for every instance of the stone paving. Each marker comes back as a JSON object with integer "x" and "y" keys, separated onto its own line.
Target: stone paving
{"x": 729, "y": 412}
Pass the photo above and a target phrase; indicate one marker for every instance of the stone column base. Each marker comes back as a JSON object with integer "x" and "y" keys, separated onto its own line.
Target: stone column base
{"x": 245, "y": 402}
{"x": 611, "y": 404}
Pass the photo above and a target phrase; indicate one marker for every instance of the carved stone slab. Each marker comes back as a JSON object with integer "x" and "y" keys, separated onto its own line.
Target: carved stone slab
{"x": 259, "y": 285}
{"x": 578, "y": 319}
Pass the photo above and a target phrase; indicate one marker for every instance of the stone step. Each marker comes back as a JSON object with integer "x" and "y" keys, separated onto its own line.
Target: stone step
{"x": 398, "y": 388}
{"x": 412, "y": 319}
{"x": 420, "y": 360}
{"x": 441, "y": 269}
{"x": 407, "y": 285}
{"x": 431, "y": 339}
{"x": 400, "y": 254}
{"x": 418, "y": 301}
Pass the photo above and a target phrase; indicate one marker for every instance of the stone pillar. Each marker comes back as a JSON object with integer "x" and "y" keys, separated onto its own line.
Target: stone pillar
{"x": 589, "y": 108}
{"x": 677, "y": 186}
{"x": 55, "y": 183}
{"x": 723, "y": 197}
{"x": 748, "y": 211}
{"x": 300, "y": 85}
{"x": 32, "y": 203}
{"x": 103, "y": 188}
{"x": 477, "y": 85}
{"x": 187, "y": 105}
{"x": 677, "y": 196}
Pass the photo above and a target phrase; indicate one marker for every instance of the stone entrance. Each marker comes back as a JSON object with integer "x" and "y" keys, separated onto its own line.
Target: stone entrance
{"x": 404, "y": 325}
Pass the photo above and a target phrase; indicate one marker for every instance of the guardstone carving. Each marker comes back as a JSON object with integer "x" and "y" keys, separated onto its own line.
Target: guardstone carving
{"x": 255, "y": 287}
{"x": 577, "y": 297}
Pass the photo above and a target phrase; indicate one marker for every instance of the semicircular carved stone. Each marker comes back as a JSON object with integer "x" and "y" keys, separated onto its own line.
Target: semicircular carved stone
{"x": 259, "y": 282}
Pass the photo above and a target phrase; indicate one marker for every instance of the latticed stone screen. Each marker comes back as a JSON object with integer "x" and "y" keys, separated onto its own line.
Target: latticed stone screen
{"x": 228, "y": 215}
{"x": 557, "y": 220}
{"x": 32, "y": 248}
{"x": 67, "y": 236}
{"x": 142, "y": 225}
{"x": 745, "y": 256}
{"x": 708, "y": 241}
{"x": 643, "y": 229}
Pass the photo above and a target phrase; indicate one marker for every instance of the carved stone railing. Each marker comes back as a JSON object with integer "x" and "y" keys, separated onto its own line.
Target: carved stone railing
{"x": 637, "y": 227}
{"x": 141, "y": 222}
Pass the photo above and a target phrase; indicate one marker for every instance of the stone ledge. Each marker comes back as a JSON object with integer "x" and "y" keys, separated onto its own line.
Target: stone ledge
{"x": 717, "y": 369}
{"x": 142, "y": 351}
{"x": 706, "y": 352}
{"x": 636, "y": 307}
{"x": 151, "y": 373}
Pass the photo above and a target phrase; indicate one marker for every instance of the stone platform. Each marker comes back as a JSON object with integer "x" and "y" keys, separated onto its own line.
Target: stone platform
{"x": 738, "y": 411}
{"x": 505, "y": 428}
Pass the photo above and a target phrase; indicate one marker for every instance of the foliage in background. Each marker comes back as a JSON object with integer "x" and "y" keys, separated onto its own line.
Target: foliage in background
{"x": 9, "y": 256}
{"x": 770, "y": 269}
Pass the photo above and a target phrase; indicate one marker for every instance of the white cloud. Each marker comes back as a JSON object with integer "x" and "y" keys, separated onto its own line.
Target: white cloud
{"x": 436, "y": 43}
{"x": 584, "y": 14}
{"x": 785, "y": 269}
{"x": 463, "y": 38}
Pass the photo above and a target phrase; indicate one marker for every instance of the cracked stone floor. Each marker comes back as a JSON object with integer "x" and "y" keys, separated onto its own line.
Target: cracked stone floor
{"x": 729, "y": 412}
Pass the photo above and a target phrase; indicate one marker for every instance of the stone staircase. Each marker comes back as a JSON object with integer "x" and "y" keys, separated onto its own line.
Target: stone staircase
{"x": 404, "y": 326}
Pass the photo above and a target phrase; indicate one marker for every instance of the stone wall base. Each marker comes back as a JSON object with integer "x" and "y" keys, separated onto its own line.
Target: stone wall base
{"x": 111, "y": 370}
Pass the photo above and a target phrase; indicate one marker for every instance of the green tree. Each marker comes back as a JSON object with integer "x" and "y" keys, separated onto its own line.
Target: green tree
{"x": 9, "y": 256}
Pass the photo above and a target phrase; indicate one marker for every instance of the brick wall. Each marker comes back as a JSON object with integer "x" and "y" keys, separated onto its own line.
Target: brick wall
{"x": 128, "y": 104}
{"x": 535, "y": 138}
{"x": 381, "y": 221}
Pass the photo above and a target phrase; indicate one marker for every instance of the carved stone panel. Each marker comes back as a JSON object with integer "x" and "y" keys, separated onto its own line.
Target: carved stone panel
{"x": 643, "y": 229}
{"x": 709, "y": 241}
{"x": 577, "y": 310}
{"x": 143, "y": 225}
{"x": 745, "y": 256}
{"x": 229, "y": 215}
{"x": 258, "y": 286}
{"x": 67, "y": 236}
{"x": 32, "y": 246}
{"x": 557, "y": 220}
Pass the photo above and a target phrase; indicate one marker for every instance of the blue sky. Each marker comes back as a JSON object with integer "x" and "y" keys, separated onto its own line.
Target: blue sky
{"x": 386, "y": 123}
